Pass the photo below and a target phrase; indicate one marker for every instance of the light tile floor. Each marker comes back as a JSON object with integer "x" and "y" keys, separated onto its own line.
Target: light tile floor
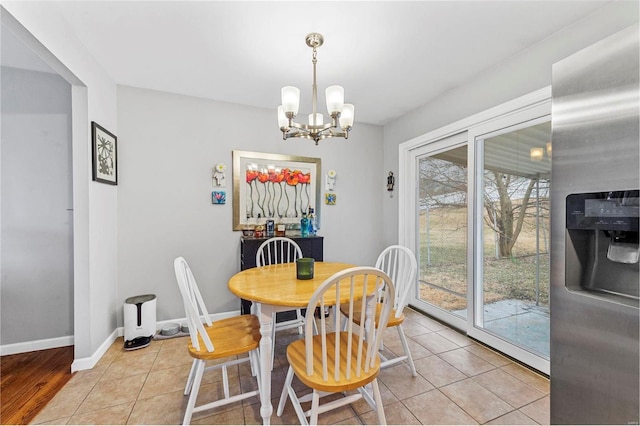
{"x": 459, "y": 382}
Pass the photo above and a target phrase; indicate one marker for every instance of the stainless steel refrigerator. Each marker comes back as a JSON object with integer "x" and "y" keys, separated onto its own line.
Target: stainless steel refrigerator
{"x": 595, "y": 328}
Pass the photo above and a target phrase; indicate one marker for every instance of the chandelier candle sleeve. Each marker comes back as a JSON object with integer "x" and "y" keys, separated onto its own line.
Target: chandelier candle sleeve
{"x": 318, "y": 119}
{"x": 346, "y": 118}
{"x": 341, "y": 114}
{"x": 290, "y": 99}
{"x": 335, "y": 99}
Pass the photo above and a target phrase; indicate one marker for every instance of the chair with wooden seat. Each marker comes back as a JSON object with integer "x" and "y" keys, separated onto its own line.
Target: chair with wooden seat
{"x": 231, "y": 336}
{"x": 273, "y": 251}
{"x": 332, "y": 362}
{"x": 400, "y": 264}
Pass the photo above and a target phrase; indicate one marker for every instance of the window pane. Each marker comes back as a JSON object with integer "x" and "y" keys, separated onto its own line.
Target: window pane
{"x": 442, "y": 221}
{"x": 515, "y": 280}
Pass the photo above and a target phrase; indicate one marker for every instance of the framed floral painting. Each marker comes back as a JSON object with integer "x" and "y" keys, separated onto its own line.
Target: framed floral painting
{"x": 276, "y": 186}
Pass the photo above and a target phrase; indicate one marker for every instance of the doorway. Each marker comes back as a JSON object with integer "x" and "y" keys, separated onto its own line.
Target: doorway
{"x": 477, "y": 218}
{"x": 37, "y": 229}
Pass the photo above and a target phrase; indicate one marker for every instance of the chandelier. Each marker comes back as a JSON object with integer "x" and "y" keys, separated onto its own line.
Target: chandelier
{"x": 341, "y": 113}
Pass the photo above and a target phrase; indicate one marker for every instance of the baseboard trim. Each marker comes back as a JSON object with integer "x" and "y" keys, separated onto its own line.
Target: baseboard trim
{"x": 90, "y": 362}
{"x": 36, "y": 345}
{"x": 161, "y": 324}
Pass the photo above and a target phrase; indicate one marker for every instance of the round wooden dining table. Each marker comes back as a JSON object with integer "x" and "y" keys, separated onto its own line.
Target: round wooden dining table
{"x": 278, "y": 284}
{"x": 275, "y": 288}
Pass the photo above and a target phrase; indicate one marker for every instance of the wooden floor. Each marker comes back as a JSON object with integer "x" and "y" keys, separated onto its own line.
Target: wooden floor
{"x": 30, "y": 380}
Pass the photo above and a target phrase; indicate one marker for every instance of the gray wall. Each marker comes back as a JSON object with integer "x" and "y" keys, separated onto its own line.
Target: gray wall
{"x": 526, "y": 72}
{"x": 168, "y": 145}
{"x": 37, "y": 228}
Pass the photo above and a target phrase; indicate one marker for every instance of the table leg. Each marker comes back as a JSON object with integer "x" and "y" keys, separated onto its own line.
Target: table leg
{"x": 265, "y": 314}
{"x": 370, "y": 313}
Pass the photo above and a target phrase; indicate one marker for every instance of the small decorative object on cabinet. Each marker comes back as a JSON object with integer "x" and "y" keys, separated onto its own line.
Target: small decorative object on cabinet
{"x": 311, "y": 247}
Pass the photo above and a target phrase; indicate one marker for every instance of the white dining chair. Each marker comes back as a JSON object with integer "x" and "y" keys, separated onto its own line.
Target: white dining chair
{"x": 225, "y": 338}
{"x": 340, "y": 361}
{"x": 400, "y": 264}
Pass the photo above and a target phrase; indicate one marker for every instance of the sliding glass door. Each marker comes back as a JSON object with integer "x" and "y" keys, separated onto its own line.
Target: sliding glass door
{"x": 477, "y": 217}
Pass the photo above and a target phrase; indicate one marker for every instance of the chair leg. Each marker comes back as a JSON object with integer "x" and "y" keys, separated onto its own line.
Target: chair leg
{"x": 255, "y": 366}
{"x": 296, "y": 406}
{"x": 315, "y": 403}
{"x": 407, "y": 352}
{"x": 301, "y": 319}
{"x": 284, "y": 394}
{"x": 252, "y": 364}
{"x": 378, "y": 399}
{"x": 199, "y": 370}
{"x": 225, "y": 381}
{"x": 187, "y": 388}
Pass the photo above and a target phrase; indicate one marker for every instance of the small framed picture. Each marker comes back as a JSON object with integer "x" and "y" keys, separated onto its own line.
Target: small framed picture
{"x": 218, "y": 197}
{"x": 104, "y": 154}
{"x": 330, "y": 198}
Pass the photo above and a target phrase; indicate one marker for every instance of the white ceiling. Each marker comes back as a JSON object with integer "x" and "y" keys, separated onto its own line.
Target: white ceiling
{"x": 391, "y": 57}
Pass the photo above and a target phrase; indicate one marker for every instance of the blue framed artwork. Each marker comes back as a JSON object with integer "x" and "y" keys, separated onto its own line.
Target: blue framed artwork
{"x": 218, "y": 197}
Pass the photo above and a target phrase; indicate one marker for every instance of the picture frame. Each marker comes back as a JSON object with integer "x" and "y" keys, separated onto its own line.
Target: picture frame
{"x": 274, "y": 185}
{"x": 218, "y": 197}
{"x": 104, "y": 153}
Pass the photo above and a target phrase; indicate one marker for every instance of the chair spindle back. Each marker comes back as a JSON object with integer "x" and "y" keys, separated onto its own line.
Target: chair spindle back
{"x": 278, "y": 250}
{"x": 352, "y": 287}
{"x": 400, "y": 264}
{"x": 193, "y": 305}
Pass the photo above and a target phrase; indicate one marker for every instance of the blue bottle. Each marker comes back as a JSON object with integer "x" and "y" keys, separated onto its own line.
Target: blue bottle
{"x": 312, "y": 223}
{"x": 304, "y": 225}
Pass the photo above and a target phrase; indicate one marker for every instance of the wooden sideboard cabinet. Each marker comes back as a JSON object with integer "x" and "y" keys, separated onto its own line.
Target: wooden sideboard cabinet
{"x": 310, "y": 246}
